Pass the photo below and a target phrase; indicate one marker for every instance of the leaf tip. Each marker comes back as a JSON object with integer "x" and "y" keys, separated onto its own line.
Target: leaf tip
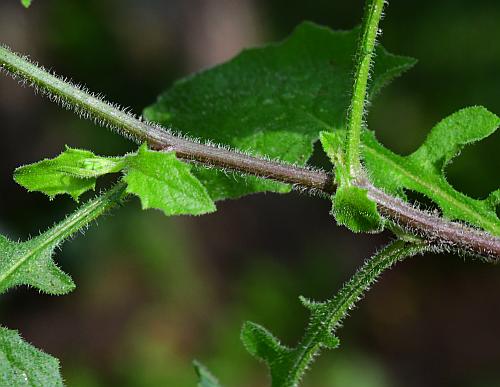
{"x": 261, "y": 343}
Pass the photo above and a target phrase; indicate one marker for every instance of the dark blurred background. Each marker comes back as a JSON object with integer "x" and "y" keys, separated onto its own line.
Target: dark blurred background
{"x": 154, "y": 292}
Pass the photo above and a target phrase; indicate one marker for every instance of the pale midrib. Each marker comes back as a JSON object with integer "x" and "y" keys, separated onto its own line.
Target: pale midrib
{"x": 54, "y": 234}
{"x": 485, "y": 223}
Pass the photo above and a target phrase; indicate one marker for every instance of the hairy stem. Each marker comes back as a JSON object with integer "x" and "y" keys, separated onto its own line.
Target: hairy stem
{"x": 327, "y": 316}
{"x": 437, "y": 231}
{"x": 84, "y": 215}
{"x": 371, "y": 19}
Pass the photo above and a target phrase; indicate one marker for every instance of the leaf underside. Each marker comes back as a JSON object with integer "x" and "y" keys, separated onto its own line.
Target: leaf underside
{"x": 271, "y": 101}
{"x": 22, "y": 365}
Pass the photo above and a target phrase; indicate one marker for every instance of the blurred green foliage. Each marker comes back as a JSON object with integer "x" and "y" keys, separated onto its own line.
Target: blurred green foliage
{"x": 154, "y": 293}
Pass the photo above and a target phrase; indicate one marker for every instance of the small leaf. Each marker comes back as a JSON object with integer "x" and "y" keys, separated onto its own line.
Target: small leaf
{"x": 22, "y": 365}
{"x": 271, "y": 101}
{"x": 30, "y": 263}
{"x": 162, "y": 181}
{"x": 352, "y": 208}
{"x": 423, "y": 170}
{"x": 26, "y": 3}
{"x": 73, "y": 172}
{"x": 493, "y": 199}
{"x": 320, "y": 312}
{"x": 205, "y": 378}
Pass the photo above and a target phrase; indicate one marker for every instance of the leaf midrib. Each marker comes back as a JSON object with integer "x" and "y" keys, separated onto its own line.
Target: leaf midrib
{"x": 47, "y": 239}
{"x": 482, "y": 221}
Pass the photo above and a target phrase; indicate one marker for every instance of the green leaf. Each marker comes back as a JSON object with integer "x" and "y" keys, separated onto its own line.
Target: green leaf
{"x": 424, "y": 170}
{"x": 261, "y": 343}
{"x": 271, "y": 101}
{"x": 30, "y": 263}
{"x": 162, "y": 181}
{"x": 158, "y": 178}
{"x": 205, "y": 378}
{"x": 22, "y": 365}
{"x": 351, "y": 206}
{"x": 73, "y": 172}
{"x": 26, "y": 3}
{"x": 226, "y": 184}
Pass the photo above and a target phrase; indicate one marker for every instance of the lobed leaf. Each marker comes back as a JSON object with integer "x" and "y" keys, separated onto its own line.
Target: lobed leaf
{"x": 26, "y": 3}
{"x": 205, "y": 377}
{"x": 73, "y": 172}
{"x": 424, "y": 170}
{"x": 271, "y": 101}
{"x": 22, "y": 365}
{"x": 162, "y": 181}
{"x": 351, "y": 206}
{"x": 30, "y": 263}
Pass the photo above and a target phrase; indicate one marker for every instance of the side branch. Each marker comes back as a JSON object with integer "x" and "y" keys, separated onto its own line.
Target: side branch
{"x": 438, "y": 232}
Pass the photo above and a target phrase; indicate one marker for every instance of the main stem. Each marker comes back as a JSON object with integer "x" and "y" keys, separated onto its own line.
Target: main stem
{"x": 371, "y": 19}
{"x": 435, "y": 230}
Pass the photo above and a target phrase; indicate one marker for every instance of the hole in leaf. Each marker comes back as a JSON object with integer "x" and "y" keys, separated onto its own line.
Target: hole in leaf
{"x": 474, "y": 171}
{"x": 319, "y": 158}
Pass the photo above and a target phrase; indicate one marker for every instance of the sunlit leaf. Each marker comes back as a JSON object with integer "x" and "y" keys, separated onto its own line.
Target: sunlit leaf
{"x": 162, "y": 181}
{"x": 73, "y": 172}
